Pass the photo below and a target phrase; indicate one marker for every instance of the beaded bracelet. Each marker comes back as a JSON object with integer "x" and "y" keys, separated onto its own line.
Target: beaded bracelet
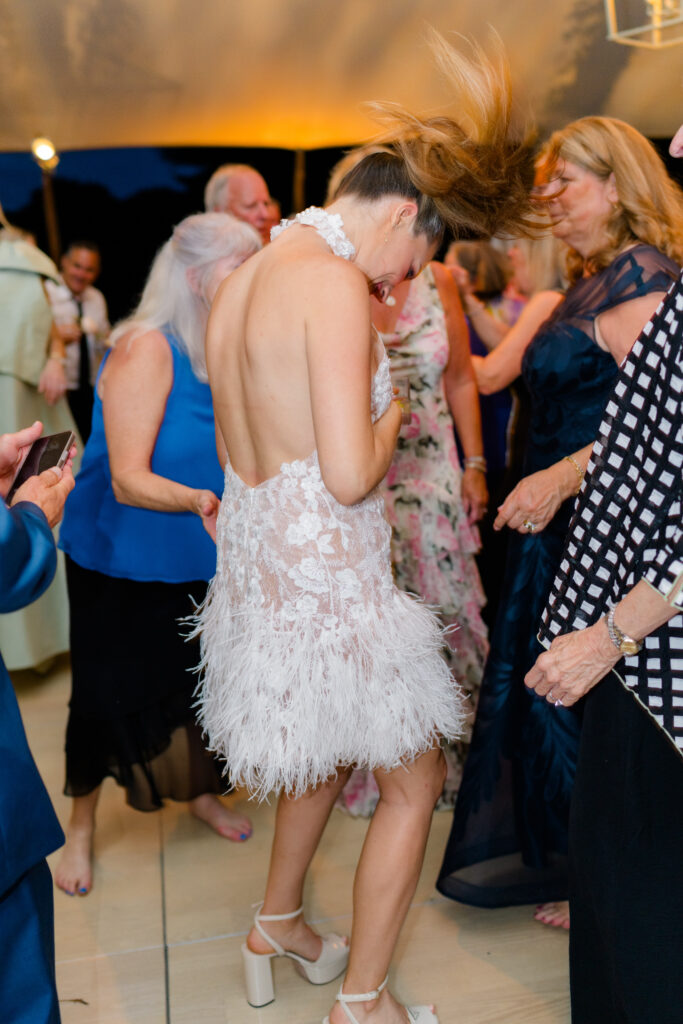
{"x": 580, "y": 472}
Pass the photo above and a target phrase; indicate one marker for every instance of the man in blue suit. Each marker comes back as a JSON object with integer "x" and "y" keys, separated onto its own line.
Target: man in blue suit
{"x": 29, "y": 829}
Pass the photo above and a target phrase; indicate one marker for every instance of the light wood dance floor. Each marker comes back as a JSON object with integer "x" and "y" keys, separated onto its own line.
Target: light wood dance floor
{"x": 158, "y": 939}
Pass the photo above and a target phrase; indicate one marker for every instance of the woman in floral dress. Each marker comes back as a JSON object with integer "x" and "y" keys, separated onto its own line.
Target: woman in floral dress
{"x": 431, "y": 503}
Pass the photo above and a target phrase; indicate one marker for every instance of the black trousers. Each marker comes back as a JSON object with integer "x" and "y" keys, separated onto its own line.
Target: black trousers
{"x": 626, "y": 866}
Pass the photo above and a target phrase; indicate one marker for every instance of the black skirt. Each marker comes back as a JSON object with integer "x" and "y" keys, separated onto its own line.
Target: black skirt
{"x": 626, "y": 866}
{"x": 130, "y": 714}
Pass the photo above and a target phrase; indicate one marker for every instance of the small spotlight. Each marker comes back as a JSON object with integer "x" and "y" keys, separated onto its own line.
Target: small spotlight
{"x": 44, "y": 153}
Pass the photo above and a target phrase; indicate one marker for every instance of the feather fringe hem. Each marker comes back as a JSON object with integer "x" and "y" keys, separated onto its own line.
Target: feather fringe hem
{"x": 287, "y": 702}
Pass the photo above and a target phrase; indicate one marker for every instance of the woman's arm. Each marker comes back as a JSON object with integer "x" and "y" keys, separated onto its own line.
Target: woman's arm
{"x": 537, "y": 497}
{"x": 617, "y": 328}
{"x": 462, "y": 396}
{"x": 354, "y": 454}
{"x": 136, "y": 383}
{"x": 575, "y": 662}
{"x": 490, "y": 328}
{"x": 500, "y": 367}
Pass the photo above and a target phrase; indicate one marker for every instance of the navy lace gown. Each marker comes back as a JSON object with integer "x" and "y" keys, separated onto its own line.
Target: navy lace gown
{"x": 508, "y": 842}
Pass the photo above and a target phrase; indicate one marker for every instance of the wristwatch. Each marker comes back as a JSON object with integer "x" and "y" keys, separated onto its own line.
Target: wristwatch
{"x": 624, "y": 644}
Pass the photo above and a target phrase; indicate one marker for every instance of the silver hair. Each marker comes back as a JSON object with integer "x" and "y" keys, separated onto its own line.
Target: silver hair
{"x": 217, "y": 191}
{"x": 168, "y": 303}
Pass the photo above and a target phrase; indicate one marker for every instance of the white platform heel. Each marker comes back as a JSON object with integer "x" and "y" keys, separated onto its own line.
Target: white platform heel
{"x": 416, "y": 1014}
{"x": 258, "y": 968}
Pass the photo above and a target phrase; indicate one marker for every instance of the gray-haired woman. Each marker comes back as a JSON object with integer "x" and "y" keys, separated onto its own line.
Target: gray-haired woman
{"x": 136, "y": 535}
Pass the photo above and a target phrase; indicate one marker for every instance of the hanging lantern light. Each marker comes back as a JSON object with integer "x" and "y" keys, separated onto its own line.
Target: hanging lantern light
{"x": 650, "y": 23}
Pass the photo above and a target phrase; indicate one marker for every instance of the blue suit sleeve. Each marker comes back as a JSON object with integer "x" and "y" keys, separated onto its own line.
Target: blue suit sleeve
{"x": 28, "y": 557}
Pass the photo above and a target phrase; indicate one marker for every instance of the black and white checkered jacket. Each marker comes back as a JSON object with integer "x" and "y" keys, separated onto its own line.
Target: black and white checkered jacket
{"x": 628, "y": 520}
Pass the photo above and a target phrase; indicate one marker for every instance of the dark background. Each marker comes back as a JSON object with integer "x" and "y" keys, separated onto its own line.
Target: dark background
{"x": 128, "y": 200}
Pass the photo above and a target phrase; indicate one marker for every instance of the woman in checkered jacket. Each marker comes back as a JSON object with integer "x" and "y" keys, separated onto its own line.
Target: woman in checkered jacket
{"x": 621, "y": 215}
{"x": 614, "y": 628}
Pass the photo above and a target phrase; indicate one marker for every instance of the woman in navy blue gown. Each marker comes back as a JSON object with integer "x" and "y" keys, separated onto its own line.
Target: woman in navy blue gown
{"x": 508, "y": 843}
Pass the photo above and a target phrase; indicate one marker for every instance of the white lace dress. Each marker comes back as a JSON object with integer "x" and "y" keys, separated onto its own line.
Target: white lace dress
{"x": 311, "y": 657}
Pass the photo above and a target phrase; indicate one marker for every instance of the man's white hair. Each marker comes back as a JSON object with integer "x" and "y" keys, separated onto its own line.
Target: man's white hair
{"x": 217, "y": 191}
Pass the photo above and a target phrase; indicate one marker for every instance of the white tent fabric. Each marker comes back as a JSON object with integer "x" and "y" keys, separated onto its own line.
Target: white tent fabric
{"x": 294, "y": 73}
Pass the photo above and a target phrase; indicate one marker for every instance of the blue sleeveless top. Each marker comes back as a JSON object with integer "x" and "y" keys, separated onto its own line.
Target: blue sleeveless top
{"x": 141, "y": 544}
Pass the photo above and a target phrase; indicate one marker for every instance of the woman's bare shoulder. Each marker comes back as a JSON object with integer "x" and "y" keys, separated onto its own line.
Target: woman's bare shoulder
{"x": 141, "y": 351}
{"x": 138, "y": 343}
{"x": 332, "y": 286}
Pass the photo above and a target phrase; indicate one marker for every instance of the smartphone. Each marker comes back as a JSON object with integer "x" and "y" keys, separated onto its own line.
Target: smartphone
{"x": 43, "y": 454}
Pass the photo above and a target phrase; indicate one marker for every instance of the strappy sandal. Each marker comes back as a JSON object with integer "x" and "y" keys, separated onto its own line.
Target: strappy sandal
{"x": 416, "y": 1014}
{"x": 258, "y": 968}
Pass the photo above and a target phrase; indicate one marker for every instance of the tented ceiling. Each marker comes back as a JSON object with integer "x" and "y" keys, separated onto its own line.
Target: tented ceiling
{"x": 295, "y": 73}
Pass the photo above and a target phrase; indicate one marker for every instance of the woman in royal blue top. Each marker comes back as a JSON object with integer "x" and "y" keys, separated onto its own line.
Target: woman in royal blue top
{"x": 138, "y": 535}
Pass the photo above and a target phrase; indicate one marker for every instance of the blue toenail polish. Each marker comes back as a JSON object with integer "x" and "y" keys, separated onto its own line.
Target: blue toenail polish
{"x": 82, "y": 890}
{"x": 243, "y": 835}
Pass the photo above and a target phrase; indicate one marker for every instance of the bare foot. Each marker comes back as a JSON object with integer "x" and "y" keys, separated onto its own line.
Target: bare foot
{"x": 228, "y": 824}
{"x": 73, "y": 873}
{"x": 385, "y": 1010}
{"x": 554, "y": 914}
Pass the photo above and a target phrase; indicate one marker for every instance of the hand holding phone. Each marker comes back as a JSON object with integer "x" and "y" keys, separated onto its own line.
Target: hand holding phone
{"x": 49, "y": 491}
{"x": 45, "y": 453}
{"x": 13, "y": 450}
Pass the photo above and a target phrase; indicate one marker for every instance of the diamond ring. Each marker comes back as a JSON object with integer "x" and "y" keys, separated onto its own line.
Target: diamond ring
{"x": 528, "y": 525}
{"x": 558, "y": 702}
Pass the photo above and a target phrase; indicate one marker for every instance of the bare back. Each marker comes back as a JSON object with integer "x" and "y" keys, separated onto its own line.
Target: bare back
{"x": 273, "y": 355}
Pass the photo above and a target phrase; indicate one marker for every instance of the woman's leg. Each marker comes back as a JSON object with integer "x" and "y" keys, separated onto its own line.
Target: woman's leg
{"x": 73, "y": 873}
{"x": 386, "y": 878}
{"x": 299, "y": 824}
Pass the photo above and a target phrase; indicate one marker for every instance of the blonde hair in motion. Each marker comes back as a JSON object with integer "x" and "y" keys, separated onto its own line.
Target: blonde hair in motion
{"x": 474, "y": 173}
{"x": 650, "y": 206}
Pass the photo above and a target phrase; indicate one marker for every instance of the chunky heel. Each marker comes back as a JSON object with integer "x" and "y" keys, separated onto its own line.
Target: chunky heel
{"x": 258, "y": 977}
{"x": 258, "y": 967}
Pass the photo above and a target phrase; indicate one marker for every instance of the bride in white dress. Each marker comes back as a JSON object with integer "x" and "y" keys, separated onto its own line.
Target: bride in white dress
{"x": 312, "y": 661}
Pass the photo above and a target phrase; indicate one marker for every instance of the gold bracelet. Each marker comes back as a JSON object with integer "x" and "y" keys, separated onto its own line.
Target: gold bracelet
{"x": 579, "y": 472}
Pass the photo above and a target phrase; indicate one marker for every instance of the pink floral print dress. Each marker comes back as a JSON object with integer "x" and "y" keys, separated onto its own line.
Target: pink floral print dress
{"x": 433, "y": 545}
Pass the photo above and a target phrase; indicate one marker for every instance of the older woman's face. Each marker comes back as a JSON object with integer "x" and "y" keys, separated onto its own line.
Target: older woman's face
{"x": 581, "y": 212}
